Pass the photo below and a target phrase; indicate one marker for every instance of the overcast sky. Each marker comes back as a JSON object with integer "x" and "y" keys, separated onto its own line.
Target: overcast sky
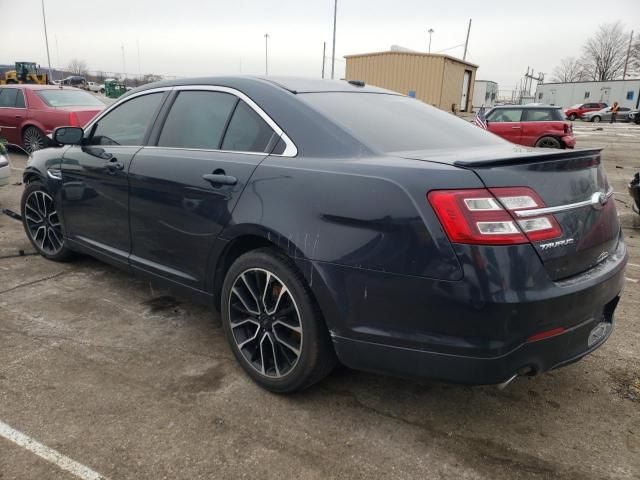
{"x": 211, "y": 37}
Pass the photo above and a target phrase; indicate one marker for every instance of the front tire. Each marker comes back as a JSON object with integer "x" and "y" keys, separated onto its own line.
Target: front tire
{"x": 596, "y": 119}
{"x": 273, "y": 324}
{"x": 572, "y": 117}
{"x": 41, "y": 223}
{"x": 548, "y": 142}
{"x": 33, "y": 139}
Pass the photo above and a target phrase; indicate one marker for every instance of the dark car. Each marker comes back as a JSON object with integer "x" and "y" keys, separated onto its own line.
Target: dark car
{"x": 532, "y": 126}
{"x": 334, "y": 221}
{"x": 74, "y": 81}
{"x": 28, "y": 113}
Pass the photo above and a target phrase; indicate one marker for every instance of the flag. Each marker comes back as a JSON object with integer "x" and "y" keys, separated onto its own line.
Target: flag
{"x": 480, "y": 119}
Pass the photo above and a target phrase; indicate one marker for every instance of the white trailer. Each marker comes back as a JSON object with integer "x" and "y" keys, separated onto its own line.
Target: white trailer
{"x": 625, "y": 92}
{"x": 485, "y": 92}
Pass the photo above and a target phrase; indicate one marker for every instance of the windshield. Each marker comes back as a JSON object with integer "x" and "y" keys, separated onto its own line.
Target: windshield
{"x": 68, "y": 98}
{"x": 393, "y": 123}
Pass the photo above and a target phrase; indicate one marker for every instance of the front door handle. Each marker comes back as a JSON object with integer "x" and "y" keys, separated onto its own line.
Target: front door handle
{"x": 113, "y": 164}
{"x": 220, "y": 179}
{"x": 515, "y": 127}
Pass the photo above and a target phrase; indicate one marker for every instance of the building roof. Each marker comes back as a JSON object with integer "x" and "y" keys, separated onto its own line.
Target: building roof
{"x": 591, "y": 81}
{"x": 415, "y": 54}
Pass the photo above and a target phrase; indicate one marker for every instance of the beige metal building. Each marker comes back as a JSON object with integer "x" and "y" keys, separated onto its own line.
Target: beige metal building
{"x": 440, "y": 80}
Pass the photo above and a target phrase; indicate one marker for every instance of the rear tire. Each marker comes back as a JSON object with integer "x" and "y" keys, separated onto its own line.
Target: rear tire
{"x": 548, "y": 142}
{"x": 273, "y": 324}
{"x": 41, "y": 223}
{"x": 33, "y": 139}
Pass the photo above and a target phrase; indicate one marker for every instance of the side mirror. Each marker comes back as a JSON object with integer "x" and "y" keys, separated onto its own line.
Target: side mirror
{"x": 68, "y": 135}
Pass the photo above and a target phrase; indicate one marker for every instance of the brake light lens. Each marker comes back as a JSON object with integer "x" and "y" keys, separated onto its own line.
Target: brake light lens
{"x": 489, "y": 217}
{"x": 73, "y": 120}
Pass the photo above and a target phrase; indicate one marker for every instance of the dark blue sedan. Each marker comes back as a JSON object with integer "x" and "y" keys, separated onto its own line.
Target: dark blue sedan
{"x": 332, "y": 221}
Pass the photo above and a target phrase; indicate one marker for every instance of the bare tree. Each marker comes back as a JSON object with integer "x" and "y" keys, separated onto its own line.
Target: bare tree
{"x": 604, "y": 53}
{"x": 77, "y": 67}
{"x": 569, "y": 69}
{"x": 633, "y": 69}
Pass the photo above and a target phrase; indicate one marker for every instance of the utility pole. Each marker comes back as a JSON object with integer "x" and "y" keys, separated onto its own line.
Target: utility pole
{"x": 324, "y": 53}
{"x": 333, "y": 52}
{"x": 139, "y": 69}
{"x": 430, "y": 31}
{"x": 124, "y": 67}
{"x": 466, "y": 43}
{"x": 266, "y": 54}
{"x": 626, "y": 61}
{"x": 46, "y": 41}
{"x": 57, "y": 51}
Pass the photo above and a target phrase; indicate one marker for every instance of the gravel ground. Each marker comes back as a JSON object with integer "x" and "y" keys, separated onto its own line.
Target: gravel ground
{"x": 137, "y": 384}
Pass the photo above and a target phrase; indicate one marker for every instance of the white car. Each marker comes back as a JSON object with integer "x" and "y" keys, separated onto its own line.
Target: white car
{"x": 95, "y": 87}
{"x": 5, "y": 171}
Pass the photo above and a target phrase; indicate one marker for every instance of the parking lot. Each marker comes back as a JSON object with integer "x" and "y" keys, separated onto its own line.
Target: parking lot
{"x": 133, "y": 383}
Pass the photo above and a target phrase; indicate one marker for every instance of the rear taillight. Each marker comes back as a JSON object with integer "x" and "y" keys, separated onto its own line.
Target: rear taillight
{"x": 568, "y": 128}
{"x": 73, "y": 120}
{"x": 481, "y": 216}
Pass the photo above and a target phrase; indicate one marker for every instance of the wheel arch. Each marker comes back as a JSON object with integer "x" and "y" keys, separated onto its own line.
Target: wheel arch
{"x": 245, "y": 238}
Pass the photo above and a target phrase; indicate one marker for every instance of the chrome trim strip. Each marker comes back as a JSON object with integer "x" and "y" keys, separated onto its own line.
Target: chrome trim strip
{"x": 290, "y": 148}
{"x": 564, "y": 208}
{"x": 262, "y": 154}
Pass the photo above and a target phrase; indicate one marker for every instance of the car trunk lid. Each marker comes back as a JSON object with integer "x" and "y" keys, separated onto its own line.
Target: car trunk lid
{"x": 575, "y": 191}
{"x": 83, "y": 114}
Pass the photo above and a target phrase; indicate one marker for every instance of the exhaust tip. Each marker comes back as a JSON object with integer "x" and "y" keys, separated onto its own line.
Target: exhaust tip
{"x": 503, "y": 385}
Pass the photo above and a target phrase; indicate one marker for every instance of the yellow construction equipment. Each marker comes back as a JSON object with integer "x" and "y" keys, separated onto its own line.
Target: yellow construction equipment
{"x": 25, "y": 72}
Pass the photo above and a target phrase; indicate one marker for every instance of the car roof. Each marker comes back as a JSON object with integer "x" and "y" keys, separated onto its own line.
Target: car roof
{"x": 526, "y": 107}
{"x": 31, "y": 86}
{"x": 291, "y": 84}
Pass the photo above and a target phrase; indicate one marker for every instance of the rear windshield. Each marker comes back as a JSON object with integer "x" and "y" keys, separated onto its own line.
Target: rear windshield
{"x": 393, "y": 123}
{"x": 68, "y": 98}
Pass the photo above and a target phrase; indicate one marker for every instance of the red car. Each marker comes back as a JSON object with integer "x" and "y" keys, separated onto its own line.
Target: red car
{"x": 581, "y": 108}
{"x": 28, "y": 112}
{"x": 532, "y": 126}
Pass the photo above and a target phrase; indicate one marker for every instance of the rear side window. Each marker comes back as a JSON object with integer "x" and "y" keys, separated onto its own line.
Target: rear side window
{"x": 247, "y": 132}
{"x": 542, "y": 115}
{"x": 20, "y": 99}
{"x": 393, "y": 123}
{"x": 197, "y": 120}
{"x": 8, "y": 97}
{"x": 506, "y": 115}
{"x": 127, "y": 124}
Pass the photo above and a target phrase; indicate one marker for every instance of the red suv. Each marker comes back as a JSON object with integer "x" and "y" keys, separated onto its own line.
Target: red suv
{"x": 532, "y": 126}
{"x": 29, "y": 112}
{"x": 581, "y": 108}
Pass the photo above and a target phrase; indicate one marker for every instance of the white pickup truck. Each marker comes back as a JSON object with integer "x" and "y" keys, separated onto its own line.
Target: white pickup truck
{"x": 95, "y": 87}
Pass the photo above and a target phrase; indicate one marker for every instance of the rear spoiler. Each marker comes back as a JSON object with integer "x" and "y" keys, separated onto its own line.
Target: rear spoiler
{"x": 591, "y": 155}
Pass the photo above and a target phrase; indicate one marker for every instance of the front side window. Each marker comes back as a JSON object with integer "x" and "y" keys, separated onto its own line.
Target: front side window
{"x": 247, "y": 132}
{"x": 197, "y": 120}
{"x": 8, "y": 97}
{"x": 128, "y": 123}
{"x": 506, "y": 115}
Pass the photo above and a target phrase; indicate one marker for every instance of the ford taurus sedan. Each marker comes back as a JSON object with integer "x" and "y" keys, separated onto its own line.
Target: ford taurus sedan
{"x": 331, "y": 221}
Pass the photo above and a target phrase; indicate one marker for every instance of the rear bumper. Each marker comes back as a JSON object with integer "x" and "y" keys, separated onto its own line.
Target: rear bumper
{"x": 475, "y": 330}
{"x": 529, "y": 358}
{"x": 569, "y": 141}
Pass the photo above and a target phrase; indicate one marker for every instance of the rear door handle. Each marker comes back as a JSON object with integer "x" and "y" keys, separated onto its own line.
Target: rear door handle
{"x": 515, "y": 127}
{"x": 220, "y": 179}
